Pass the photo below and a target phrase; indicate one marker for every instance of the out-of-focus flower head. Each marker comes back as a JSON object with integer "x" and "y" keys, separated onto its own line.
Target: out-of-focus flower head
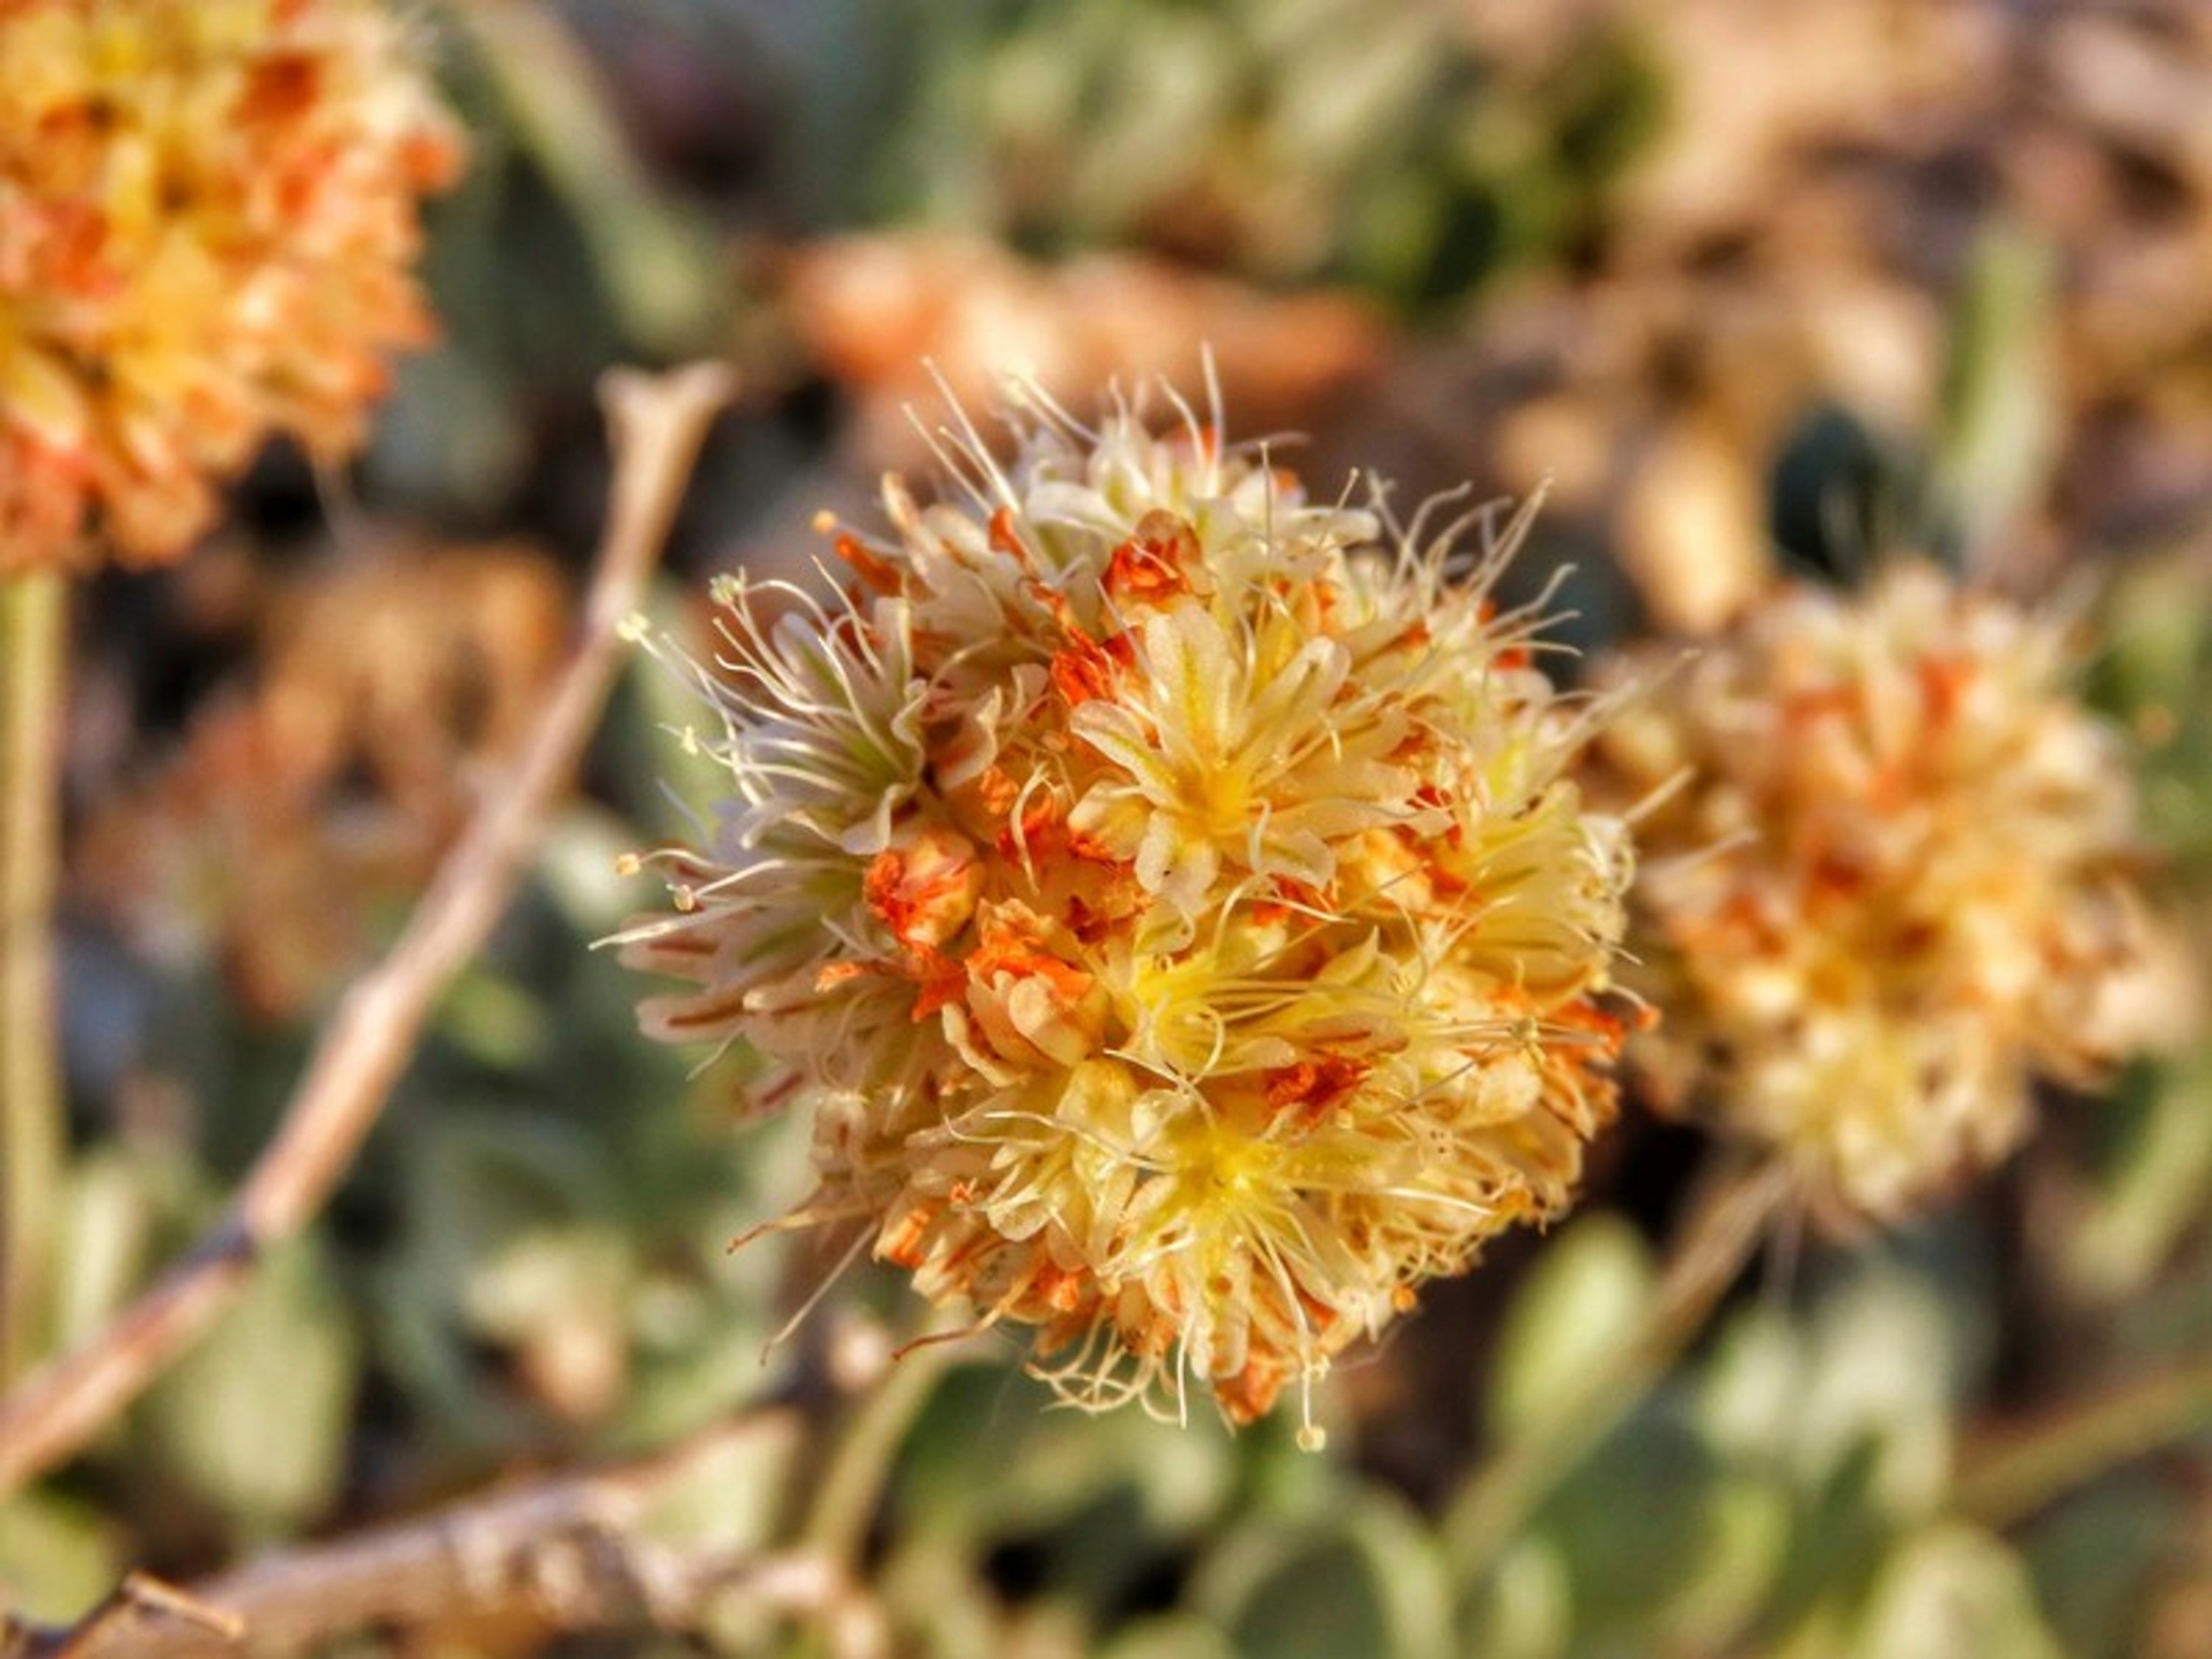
{"x": 1891, "y": 884}
{"x": 885, "y": 314}
{"x": 1167, "y": 894}
{"x": 207, "y": 214}
{"x": 291, "y": 817}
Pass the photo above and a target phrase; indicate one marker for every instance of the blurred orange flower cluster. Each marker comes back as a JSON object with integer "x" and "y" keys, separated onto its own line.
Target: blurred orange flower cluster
{"x": 207, "y": 214}
{"x": 389, "y": 681}
{"x": 1893, "y": 881}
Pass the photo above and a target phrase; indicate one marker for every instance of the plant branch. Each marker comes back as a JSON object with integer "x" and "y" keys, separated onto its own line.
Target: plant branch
{"x": 2008, "y": 1475}
{"x": 1703, "y": 1261}
{"x": 570, "y": 1552}
{"x": 140, "y": 1599}
{"x": 33, "y": 624}
{"x": 657, "y": 426}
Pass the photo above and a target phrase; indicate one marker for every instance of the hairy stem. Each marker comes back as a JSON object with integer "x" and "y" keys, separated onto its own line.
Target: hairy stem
{"x": 852, "y": 1486}
{"x": 1713, "y": 1247}
{"x": 33, "y": 623}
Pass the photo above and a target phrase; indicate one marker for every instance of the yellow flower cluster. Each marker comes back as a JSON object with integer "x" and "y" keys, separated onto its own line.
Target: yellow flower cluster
{"x": 207, "y": 212}
{"x": 1893, "y": 889}
{"x": 1167, "y": 894}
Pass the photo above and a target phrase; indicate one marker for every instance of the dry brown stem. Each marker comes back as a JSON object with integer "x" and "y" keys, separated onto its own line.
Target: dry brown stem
{"x": 565, "y": 1553}
{"x": 139, "y": 1602}
{"x": 657, "y": 427}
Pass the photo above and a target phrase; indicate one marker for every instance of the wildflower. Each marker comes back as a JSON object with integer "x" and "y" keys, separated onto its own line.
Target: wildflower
{"x": 1893, "y": 889}
{"x": 1168, "y": 894}
{"x": 206, "y": 216}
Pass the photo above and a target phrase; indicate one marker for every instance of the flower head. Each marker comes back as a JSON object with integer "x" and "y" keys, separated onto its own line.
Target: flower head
{"x": 206, "y": 216}
{"x": 1167, "y": 893}
{"x": 1893, "y": 887}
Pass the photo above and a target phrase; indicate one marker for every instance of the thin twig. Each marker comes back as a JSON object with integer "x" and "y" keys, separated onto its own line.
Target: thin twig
{"x": 117, "y": 1622}
{"x": 571, "y": 1552}
{"x": 657, "y": 429}
{"x": 1714, "y": 1246}
{"x": 2005, "y": 1476}
{"x": 33, "y": 623}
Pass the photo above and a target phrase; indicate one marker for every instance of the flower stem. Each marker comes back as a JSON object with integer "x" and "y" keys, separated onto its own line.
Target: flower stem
{"x": 845, "y": 1501}
{"x": 861, "y": 1444}
{"x": 33, "y": 621}
{"x": 2009, "y": 1476}
{"x": 1711, "y": 1250}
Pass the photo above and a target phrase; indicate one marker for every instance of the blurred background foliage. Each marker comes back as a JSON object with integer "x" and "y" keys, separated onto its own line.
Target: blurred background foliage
{"x": 1740, "y": 281}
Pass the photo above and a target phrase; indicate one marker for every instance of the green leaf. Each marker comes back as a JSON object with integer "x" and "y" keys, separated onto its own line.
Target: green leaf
{"x": 254, "y": 1420}
{"x": 511, "y": 1236}
{"x": 1050, "y": 1467}
{"x": 492, "y": 1020}
{"x": 941, "y": 1605}
{"x": 1586, "y": 1295}
{"x": 1747, "y": 1394}
{"x": 119, "y": 1203}
{"x": 1649, "y": 1480}
{"x": 684, "y": 1378}
{"x": 55, "y": 1558}
{"x": 1175, "y": 1636}
{"x": 2000, "y": 404}
{"x": 1872, "y": 1371}
{"x": 1884, "y": 1367}
{"x": 2094, "y": 1559}
{"x": 1745, "y": 1537}
{"x": 580, "y": 865}
{"x": 2155, "y": 1180}
{"x": 1725, "y": 1535}
{"x": 1953, "y": 1589}
{"x": 1833, "y": 1550}
{"x": 1524, "y": 1607}
{"x": 543, "y": 1276}
{"x": 655, "y": 258}
{"x": 730, "y": 1497}
{"x": 1370, "y": 1582}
